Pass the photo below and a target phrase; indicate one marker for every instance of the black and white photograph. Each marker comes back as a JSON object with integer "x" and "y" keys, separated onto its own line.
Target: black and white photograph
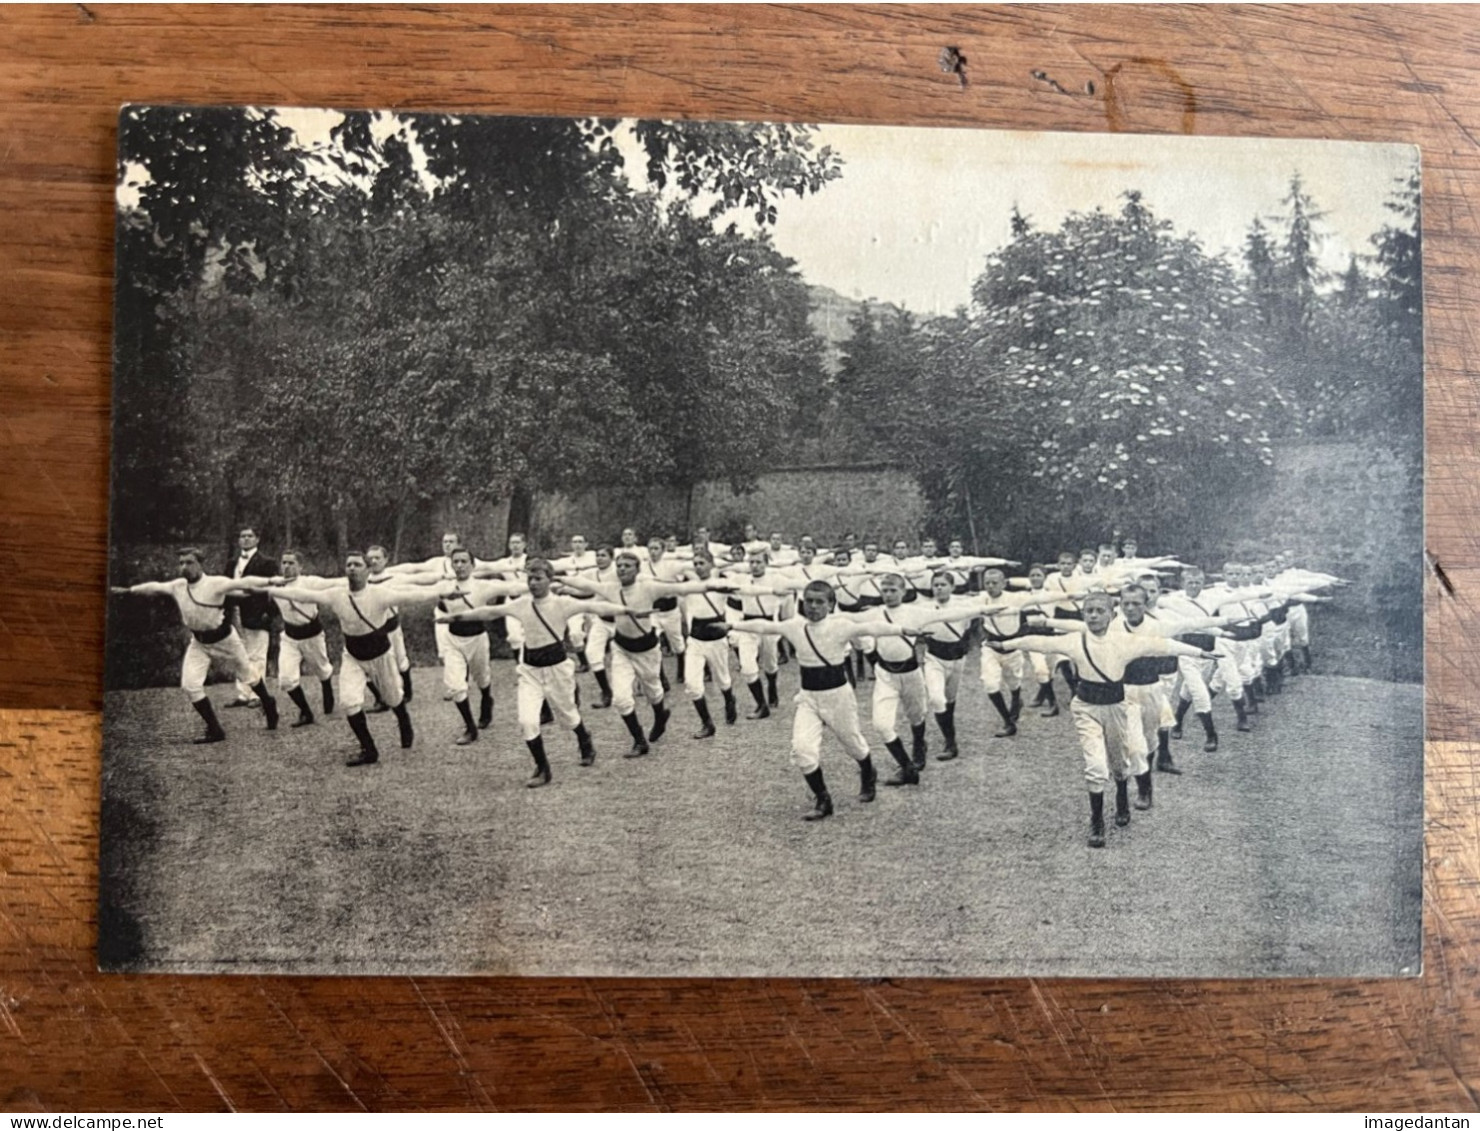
{"x": 582, "y": 546}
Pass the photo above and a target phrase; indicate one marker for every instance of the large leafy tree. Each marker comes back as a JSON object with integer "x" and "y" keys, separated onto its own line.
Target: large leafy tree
{"x": 424, "y": 306}
{"x": 1106, "y": 377}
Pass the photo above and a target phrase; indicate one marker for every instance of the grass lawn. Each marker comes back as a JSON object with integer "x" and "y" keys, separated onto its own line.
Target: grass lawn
{"x": 1295, "y": 850}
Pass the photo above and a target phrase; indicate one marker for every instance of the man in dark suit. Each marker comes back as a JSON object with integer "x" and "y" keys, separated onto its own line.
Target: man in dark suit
{"x": 254, "y": 613}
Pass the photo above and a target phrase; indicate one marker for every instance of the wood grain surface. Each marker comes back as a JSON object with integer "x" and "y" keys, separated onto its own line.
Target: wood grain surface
{"x": 73, "y": 1040}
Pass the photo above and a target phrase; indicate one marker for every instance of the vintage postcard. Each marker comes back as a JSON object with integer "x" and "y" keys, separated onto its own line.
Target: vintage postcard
{"x": 601, "y": 547}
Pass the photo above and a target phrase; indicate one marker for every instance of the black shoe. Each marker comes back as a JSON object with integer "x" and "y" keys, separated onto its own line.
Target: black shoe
{"x": 541, "y": 777}
{"x": 303, "y": 720}
{"x": 823, "y": 808}
{"x": 1210, "y": 746}
{"x": 732, "y": 712}
{"x": 1143, "y": 790}
{"x": 380, "y": 708}
{"x": 606, "y": 699}
{"x": 209, "y": 737}
{"x": 903, "y": 776}
{"x": 639, "y": 749}
{"x": 1177, "y": 732}
{"x": 918, "y": 755}
{"x": 950, "y": 753}
{"x": 761, "y": 712}
{"x": 868, "y": 778}
{"x": 467, "y": 738}
{"x": 235, "y": 703}
{"x": 660, "y": 724}
{"x": 1167, "y": 766}
{"x": 1008, "y": 731}
{"x": 1051, "y": 713}
{"x": 364, "y": 758}
{"x": 1097, "y": 820}
{"x": 706, "y": 731}
{"x": 1122, "y": 805}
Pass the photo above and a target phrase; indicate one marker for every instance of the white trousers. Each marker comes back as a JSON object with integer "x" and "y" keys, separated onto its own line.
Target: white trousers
{"x": 1195, "y": 676}
{"x": 398, "y": 649}
{"x": 1105, "y": 733}
{"x": 670, "y": 624}
{"x": 942, "y": 680}
{"x": 575, "y": 629}
{"x": 441, "y": 633}
{"x": 757, "y": 654}
{"x": 1144, "y": 706}
{"x": 628, "y": 668}
{"x": 382, "y": 671}
{"x": 466, "y": 659}
{"x": 293, "y": 655}
{"x": 1038, "y": 661}
{"x": 598, "y": 636}
{"x": 835, "y": 710}
{"x": 1299, "y": 623}
{"x": 255, "y": 641}
{"x": 229, "y": 653}
{"x": 893, "y": 689}
{"x": 716, "y": 654}
{"x": 1002, "y": 669}
{"x": 555, "y": 685}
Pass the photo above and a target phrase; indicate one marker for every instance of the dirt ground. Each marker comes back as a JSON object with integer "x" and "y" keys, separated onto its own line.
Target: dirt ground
{"x": 1295, "y": 850}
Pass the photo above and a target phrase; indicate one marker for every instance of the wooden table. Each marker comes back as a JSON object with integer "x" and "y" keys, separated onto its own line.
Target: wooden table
{"x": 72, "y": 1040}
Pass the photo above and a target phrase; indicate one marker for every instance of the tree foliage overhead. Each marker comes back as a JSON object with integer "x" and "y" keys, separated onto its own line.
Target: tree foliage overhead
{"x": 1113, "y": 373}
{"x": 424, "y": 306}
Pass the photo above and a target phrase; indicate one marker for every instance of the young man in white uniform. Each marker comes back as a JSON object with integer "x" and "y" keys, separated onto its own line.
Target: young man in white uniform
{"x": 547, "y": 675}
{"x": 365, "y": 612}
{"x": 201, "y": 599}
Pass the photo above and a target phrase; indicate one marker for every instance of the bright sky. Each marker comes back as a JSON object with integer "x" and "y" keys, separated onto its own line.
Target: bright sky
{"x": 918, "y": 210}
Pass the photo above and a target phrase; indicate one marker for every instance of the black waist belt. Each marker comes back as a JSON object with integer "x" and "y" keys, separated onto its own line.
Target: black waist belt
{"x": 998, "y": 637}
{"x": 392, "y": 623}
{"x": 1100, "y": 694}
{"x": 948, "y": 649}
{"x": 307, "y": 631}
{"x": 911, "y": 594}
{"x": 1244, "y": 631}
{"x": 867, "y": 602}
{"x": 897, "y": 667}
{"x": 1206, "y": 641}
{"x": 607, "y": 620}
{"x": 733, "y": 603}
{"x": 1143, "y": 671}
{"x": 1067, "y": 614}
{"x": 1279, "y": 615}
{"x": 546, "y": 657}
{"x": 708, "y": 628}
{"x": 665, "y": 604}
{"x": 644, "y": 643}
{"x": 213, "y": 635}
{"x": 759, "y": 616}
{"x": 824, "y": 679}
{"x": 468, "y": 628}
{"x": 370, "y": 646}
